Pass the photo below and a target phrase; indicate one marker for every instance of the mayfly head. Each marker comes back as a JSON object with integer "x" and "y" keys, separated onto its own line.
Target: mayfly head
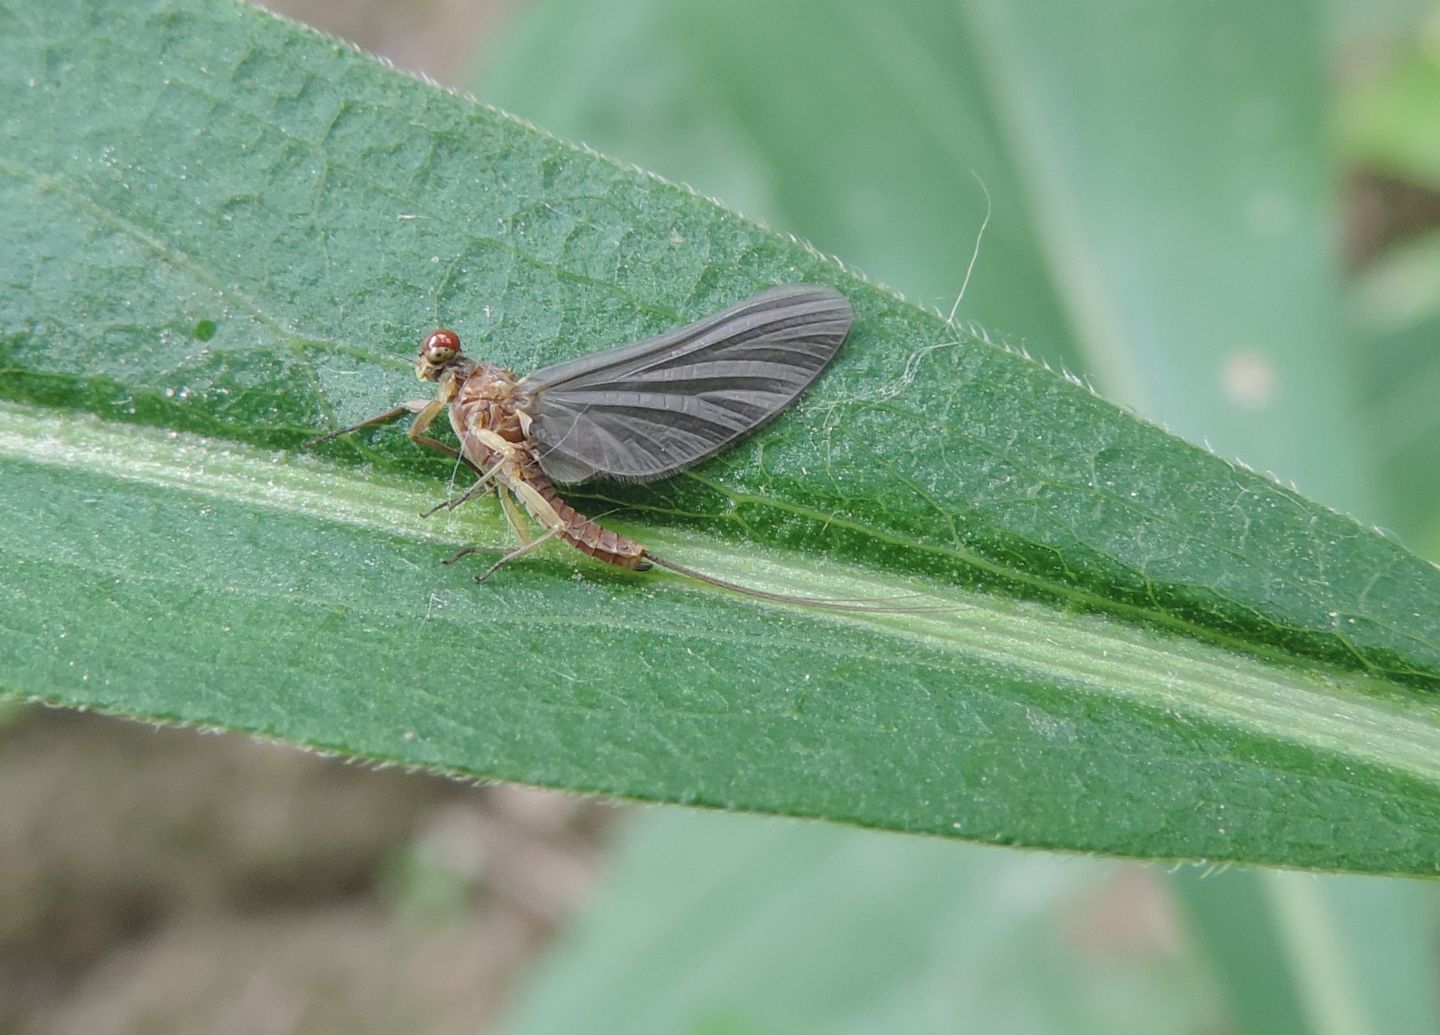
{"x": 438, "y": 353}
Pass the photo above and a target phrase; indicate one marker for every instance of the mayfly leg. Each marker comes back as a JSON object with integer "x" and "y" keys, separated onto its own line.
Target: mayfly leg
{"x": 483, "y": 485}
{"x": 413, "y": 406}
{"x": 539, "y": 508}
{"x": 527, "y": 545}
{"x": 513, "y": 516}
{"x": 425, "y": 410}
{"x": 519, "y": 551}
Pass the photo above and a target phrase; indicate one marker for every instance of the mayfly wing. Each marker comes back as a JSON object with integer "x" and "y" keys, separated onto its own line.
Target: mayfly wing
{"x": 648, "y": 410}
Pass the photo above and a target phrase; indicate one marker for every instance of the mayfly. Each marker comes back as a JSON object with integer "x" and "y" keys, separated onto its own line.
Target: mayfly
{"x": 632, "y": 414}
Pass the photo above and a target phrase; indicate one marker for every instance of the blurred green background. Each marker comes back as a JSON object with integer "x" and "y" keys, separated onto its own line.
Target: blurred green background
{"x": 1225, "y": 215}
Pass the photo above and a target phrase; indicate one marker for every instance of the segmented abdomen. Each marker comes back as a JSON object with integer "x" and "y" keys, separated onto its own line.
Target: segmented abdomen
{"x": 579, "y": 531}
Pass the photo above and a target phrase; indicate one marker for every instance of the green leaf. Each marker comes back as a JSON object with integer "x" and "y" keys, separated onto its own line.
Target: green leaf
{"x": 1139, "y": 648}
{"x": 791, "y": 927}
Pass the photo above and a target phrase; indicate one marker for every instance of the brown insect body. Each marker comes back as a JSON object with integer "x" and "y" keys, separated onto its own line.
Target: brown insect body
{"x": 485, "y": 404}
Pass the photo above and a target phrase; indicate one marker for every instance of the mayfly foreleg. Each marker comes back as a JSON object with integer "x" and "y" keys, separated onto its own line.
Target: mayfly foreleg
{"x": 425, "y": 410}
{"x": 413, "y": 406}
{"x": 422, "y": 422}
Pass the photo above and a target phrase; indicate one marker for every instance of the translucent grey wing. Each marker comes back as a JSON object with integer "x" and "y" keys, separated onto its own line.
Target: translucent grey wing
{"x": 648, "y": 410}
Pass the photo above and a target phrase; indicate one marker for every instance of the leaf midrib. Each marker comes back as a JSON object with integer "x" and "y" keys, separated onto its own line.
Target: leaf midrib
{"x": 1334, "y": 711}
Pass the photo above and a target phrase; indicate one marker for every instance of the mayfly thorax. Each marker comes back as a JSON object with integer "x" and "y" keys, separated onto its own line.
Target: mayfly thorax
{"x": 635, "y": 413}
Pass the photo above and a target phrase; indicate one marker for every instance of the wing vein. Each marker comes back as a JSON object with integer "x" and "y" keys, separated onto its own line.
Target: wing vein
{"x": 648, "y": 410}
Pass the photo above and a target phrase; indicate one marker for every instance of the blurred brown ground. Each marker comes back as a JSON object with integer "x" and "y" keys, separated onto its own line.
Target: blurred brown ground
{"x": 159, "y": 880}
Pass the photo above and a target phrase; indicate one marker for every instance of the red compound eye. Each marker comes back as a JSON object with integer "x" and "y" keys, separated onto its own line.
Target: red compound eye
{"x": 441, "y": 346}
